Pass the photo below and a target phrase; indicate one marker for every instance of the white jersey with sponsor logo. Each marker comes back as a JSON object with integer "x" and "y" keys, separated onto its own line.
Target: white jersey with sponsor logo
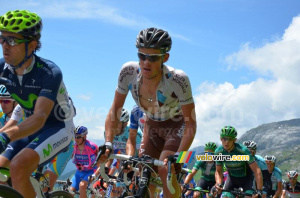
{"x": 173, "y": 90}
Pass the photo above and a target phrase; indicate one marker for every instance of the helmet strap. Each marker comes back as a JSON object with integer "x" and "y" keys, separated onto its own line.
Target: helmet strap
{"x": 26, "y": 58}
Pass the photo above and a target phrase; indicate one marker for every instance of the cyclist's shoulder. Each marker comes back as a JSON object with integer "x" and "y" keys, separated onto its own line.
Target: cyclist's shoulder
{"x": 47, "y": 66}
{"x": 130, "y": 66}
{"x": 259, "y": 158}
{"x": 170, "y": 73}
{"x": 242, "y": 149}
{"x": 277, "y": 170}
{"x": 2, "y": 62}
{"x": 91, "y": 144}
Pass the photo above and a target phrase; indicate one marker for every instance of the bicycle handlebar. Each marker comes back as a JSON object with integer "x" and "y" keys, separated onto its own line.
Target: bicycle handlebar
{"x": 143, "y": 160}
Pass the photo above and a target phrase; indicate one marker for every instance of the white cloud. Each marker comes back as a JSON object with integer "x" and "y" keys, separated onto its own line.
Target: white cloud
{"x": 85, "y": 97}
{"x": 273, "y": 97}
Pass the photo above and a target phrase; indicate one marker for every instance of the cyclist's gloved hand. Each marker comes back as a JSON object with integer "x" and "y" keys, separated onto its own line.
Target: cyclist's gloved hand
{"x": 104, "y": 153}
{"x": 184, "y": 188}
{"x": 4, "y": 141}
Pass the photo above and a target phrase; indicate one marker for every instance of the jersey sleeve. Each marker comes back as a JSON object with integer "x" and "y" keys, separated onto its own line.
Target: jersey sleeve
{"x": 182, "y": 87}
{"x": 51, "y": 83}
{"x": 197, "y": 165}
{"x": 17, "y": 114}
{"x": 127, "y": 72}
{"x": 135, "y": 114}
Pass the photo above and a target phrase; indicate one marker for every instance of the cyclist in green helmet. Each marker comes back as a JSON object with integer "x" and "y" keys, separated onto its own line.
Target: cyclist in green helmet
{"x": 239, "y": 172}
{"x": 208, "y": 169}
{"x": 37, "y": 85}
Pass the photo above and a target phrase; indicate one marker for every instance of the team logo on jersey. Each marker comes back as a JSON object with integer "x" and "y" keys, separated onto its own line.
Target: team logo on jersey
{"x": 29, "y": 103}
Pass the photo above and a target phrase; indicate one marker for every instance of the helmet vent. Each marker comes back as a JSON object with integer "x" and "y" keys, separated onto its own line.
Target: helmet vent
{"x": 12, "y": 21}
{"x": 9, "y": 16}
{"x": 5, "y": 23}
{"x": 16, "y": 28}
{"x": 26, "y": 16}
{"x": 19, "y": 21}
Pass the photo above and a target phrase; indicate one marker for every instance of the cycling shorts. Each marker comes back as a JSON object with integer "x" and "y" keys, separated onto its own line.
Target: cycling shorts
{"x": 59, "y": 163}
{"x": 161, "y": 136}
{"x": 81, "y": 176}
{"x": 205, "y": 185}
{"x": 48, "y": 142}
{"x": 239, "y": 182}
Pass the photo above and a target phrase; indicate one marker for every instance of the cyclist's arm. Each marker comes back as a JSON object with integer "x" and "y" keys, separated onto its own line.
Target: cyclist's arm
{"x": 219, "y": 174}
{"x": 190, "y": 176}
{"x": 279, "y": 189}
{"x": 34, "y": 122}
{"x": 257, "y": 173}
{"x": 131, "y": 142}
{"x": 283, "y": 193}
{"x": 189, "y": 116}
{"x": 113, "y": 117}
{"x": 9, "y": 124}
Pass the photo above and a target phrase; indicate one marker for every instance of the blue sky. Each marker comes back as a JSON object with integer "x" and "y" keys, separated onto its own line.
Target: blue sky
{"x": 242, "y": 56}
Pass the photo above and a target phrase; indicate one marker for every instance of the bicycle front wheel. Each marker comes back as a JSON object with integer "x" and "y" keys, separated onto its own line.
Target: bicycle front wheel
{"x": 60, "y": 194}
{"x": 8, "y": 192}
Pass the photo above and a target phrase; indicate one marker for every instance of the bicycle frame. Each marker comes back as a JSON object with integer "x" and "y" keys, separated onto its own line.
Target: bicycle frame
{"x": 140, "y": 161}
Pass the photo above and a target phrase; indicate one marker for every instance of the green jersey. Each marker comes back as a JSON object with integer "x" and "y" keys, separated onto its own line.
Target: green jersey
{"x": 207, "y": 170}
{"x": 236, "y": 168}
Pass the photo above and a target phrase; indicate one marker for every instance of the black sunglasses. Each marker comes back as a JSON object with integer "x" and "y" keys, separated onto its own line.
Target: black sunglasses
{"x": 150, "y": 57}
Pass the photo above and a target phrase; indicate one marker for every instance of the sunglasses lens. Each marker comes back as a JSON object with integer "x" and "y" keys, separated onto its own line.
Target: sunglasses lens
{"x": 151, "y": 58}
{"x": 5, "y": 101}
{"x": 142, "y": 56}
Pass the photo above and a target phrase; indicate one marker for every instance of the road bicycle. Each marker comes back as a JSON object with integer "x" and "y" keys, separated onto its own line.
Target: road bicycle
{"x": 146, "y": 163}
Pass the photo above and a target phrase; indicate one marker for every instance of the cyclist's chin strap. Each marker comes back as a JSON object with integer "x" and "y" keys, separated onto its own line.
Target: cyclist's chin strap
{"x": 26, "y": 58}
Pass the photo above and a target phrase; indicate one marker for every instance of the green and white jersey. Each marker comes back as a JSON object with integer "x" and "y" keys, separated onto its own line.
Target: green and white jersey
{"x": 236, "y": 168}
{"x": 207, "y": 170}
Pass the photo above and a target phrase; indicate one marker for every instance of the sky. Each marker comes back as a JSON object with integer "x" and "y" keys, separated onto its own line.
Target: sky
{"x": 242, "y": 57}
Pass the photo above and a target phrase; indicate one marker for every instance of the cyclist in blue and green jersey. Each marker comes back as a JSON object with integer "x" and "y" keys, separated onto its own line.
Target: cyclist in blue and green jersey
{"x": 251, "y": 145}
{"x": 275, "y": 175}
{"x": 239, "y": 172}
{"x": 37, "y": 85}
{"x": 208, "y": 169}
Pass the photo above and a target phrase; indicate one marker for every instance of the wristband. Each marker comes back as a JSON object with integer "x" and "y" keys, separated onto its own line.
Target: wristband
{"x": 7, "y": 139}
{"x": 108, "y": 144}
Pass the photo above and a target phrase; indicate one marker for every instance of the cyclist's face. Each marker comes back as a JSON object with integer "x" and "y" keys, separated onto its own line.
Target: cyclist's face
{"x": 7, "y": 106}
{"x": 270, "y": 165}
{"x": 151, "y": 69}
{"x": 13, "y": 54}
{"x": 228, "y": 142}
{"x": 293, "y": 181}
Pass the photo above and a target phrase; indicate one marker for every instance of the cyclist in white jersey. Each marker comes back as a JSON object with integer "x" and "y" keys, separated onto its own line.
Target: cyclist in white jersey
{"x": 164, "y": 94}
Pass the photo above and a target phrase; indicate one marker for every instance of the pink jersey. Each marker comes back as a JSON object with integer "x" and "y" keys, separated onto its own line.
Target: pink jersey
{"x": 85, "y": 158}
